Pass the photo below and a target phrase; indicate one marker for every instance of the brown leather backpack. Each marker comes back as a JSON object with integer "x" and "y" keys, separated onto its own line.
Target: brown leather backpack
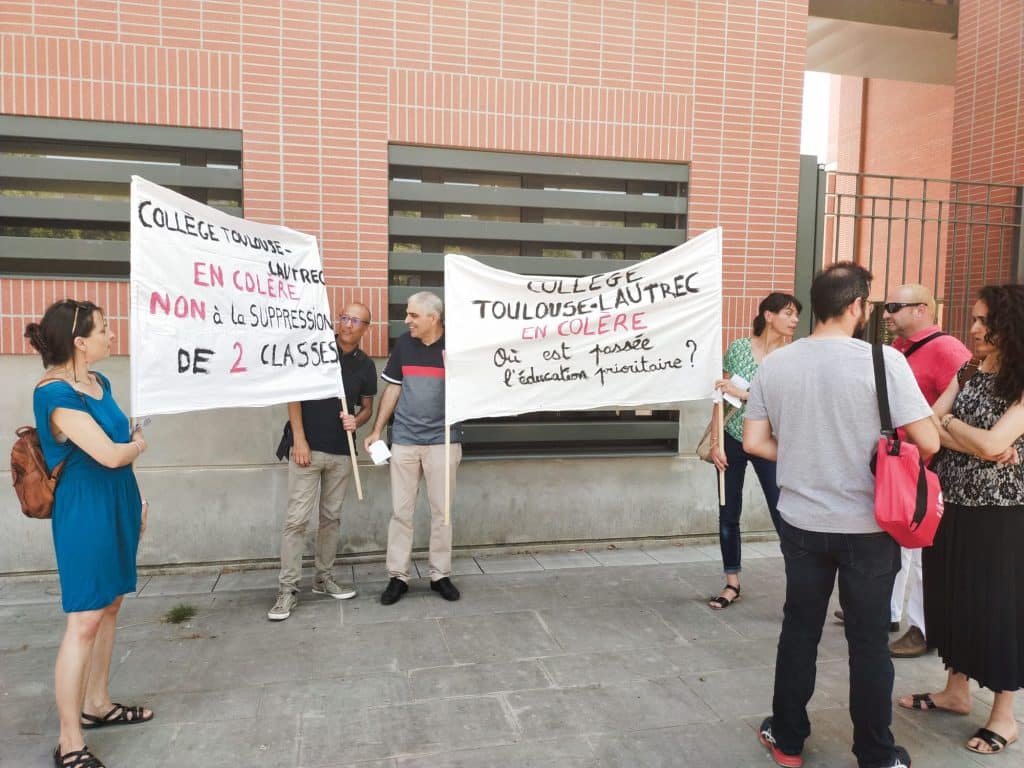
{"x": 34, "y": 485}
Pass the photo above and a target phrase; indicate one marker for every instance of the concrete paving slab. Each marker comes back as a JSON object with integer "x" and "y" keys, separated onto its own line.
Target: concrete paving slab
{"x": 660, "y": 703}
{"x": 507, "y": 563}
{"x": 584, "y": 666}
{"x": 622, "y": 557}
{"x": 498, "y": 637}
{"x": 264, "y": 579}
{"x": 610, "y": 667}
{"x": 551, "y": 561}
{"x": 406, "y": 729}
{"x": 583, "y": 628}
{"x": 477, "y": 679}
{"x": 677, "y": 553}
{"x": 180, "y": 584}
{"x": 687, "y": 746}
{"x": 557, "y": 753}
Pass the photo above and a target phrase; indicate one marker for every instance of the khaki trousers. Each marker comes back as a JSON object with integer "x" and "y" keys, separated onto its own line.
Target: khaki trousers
{"x": 408, "y": 464}
{"x": 329, "y": 474}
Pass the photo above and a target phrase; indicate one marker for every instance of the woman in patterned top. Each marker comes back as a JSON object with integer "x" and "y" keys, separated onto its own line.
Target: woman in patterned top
{"x": 776, "y": 321}
{"x": 974, "y": 572}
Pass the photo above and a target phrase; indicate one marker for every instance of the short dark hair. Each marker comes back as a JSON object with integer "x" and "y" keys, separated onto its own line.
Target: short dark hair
{"x": 837, "y": 287}
{"x": 774, "y": 302}
{"x": 54, "y": 336}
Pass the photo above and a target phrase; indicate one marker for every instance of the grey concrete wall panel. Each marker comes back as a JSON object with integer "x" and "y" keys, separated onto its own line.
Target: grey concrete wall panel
{"x": 405, "y": 226}
{"x": 218, "y": 494}
{"x": 49, "y": 129}
{"x": 416, "y": 261}
{"x": 426, "y": 192}
{"x": 541, "y": 165}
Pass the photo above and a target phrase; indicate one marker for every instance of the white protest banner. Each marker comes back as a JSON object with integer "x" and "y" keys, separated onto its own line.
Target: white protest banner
{"x": 224, "y": 312}
{"x": 649, "y": 333}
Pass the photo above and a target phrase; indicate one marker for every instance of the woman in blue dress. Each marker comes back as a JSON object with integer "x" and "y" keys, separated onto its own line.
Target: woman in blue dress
{"x": 98, "y": 516}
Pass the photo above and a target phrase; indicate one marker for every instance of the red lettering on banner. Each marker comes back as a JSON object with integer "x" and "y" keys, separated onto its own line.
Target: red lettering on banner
{"x": 182, "y": 306}
{"x": 272, "y": 288}
{"x": 602, "y": 325}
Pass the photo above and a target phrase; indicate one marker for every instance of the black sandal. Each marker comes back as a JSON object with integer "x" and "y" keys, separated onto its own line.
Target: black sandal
{"x": 995, "y": 742}
{"x": 719, "y": 602}
{"x": 119, "y": 714}
{"x": 79, "y": 758}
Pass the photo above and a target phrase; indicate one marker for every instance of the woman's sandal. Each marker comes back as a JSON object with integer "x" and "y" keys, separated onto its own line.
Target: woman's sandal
{"x": 995, "y": 742}
{"x": 923, "y": 702}
{"x": 119, "y": 714}
{"x": 79, "y": 758}
{"x": 719, "y": 603}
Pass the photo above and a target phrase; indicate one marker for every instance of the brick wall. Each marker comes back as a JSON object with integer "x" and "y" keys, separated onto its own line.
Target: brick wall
{"x": 988, "y": 137}
{"x": 319, "y": 89}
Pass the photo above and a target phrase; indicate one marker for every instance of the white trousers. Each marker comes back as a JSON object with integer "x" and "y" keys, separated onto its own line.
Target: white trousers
{"x": 909, "y": 578}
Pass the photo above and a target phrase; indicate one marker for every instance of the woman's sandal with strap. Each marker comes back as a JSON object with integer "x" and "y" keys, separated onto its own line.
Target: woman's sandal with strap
{"x": 119, "y": 714}
{"x": 993, "y": 740}
{"x": 79, "y": 758}
{"x": 719, "y": 603}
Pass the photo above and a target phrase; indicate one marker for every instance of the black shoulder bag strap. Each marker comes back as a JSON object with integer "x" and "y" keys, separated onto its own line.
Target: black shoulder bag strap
{"x": 882, "y": 392}
{"x": 921, "y": 342}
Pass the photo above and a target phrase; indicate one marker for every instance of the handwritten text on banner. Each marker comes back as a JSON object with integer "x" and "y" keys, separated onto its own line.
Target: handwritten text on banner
{"x": 648, "y": 333}
{"x": 224, "y": 312}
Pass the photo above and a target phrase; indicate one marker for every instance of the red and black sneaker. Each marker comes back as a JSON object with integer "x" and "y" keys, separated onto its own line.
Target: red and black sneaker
{"x": 781, "y": 758}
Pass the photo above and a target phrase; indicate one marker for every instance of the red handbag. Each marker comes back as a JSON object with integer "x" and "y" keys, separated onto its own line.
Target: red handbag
{"x": 908, "y": 499}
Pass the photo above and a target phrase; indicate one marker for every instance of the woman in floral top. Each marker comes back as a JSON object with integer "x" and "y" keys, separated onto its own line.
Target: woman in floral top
{"x": 974, "y": 572}
{"x": 777, "y": 317}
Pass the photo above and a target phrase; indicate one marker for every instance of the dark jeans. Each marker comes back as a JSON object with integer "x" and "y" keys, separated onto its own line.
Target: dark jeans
{"x": 729, "y": 515}
{"x": 867, "y": 564}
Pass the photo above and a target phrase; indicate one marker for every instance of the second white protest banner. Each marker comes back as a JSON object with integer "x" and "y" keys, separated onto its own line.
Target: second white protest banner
{"x": 648, "y": 333}
{"x": 224, "y": 311}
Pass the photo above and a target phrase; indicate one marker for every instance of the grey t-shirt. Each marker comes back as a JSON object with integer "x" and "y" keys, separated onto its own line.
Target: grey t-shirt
{"x": 818, "y": 394}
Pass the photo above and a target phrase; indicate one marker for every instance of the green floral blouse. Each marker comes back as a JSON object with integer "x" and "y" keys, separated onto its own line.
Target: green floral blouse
{"x": 739, "y": 358}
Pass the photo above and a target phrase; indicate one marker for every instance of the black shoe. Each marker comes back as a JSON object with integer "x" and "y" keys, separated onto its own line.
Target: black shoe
{"x": 445, "y": 588}
{"x": 894, "y": 626}
{"x": 900, "y": 760}
{"x": 394, "y": 591}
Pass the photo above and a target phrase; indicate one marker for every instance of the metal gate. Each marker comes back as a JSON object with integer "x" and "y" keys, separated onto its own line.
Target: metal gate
{"x": 951, "y": 236}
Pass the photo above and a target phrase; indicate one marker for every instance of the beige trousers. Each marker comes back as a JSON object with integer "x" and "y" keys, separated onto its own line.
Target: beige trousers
{"x": 408, "y": 464}
{"x": 329, "y": 474}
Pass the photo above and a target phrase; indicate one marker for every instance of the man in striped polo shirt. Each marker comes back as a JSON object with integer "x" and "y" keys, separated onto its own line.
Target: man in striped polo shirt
{"x": 415, "y": 395}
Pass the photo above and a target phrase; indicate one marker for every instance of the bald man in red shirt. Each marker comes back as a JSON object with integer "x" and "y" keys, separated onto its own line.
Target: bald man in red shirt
{"x": 934, "y": 357}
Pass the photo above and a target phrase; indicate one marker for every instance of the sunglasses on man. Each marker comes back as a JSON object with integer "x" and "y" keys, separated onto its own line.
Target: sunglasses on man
{"x": 893, "y": 307}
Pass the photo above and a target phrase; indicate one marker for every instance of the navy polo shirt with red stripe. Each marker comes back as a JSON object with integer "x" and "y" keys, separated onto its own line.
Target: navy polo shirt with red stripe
{"x": 419, "y": 369}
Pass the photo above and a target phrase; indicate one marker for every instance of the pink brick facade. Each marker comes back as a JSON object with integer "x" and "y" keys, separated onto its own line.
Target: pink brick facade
{"x": 319, "y": 89}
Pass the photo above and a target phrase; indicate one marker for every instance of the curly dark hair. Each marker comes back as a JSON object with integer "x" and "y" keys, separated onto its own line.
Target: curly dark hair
{"x": 1005, "y": 305}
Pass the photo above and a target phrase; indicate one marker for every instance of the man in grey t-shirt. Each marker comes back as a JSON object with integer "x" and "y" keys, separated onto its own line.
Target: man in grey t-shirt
{"x": 813, "y": 409}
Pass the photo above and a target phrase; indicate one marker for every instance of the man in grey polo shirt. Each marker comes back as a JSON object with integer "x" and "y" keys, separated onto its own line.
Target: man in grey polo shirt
{"x": 415, "y": 395}
{"x": 813, "y": 409}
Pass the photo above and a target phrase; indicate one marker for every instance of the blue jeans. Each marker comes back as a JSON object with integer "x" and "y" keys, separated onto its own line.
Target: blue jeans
{"x": 867, "y": 564}
{"x": 729, "y": 514}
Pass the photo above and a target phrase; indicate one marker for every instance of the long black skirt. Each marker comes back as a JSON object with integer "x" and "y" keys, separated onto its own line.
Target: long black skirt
{"x": 974, "y": 594}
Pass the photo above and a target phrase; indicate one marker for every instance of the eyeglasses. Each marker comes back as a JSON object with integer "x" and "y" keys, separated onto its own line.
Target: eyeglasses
{"x": 355, "y": 322}
{"x": 893, "y": 307}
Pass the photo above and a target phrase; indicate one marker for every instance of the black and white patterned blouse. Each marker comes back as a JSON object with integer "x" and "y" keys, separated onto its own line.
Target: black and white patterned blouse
{"x": 968, "y": 480}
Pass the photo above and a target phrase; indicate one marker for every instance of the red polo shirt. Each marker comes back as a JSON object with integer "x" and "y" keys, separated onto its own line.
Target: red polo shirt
{"x": 936, "y": 363}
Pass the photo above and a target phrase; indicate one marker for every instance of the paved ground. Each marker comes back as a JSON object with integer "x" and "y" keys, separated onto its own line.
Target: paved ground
{"x": 562, "y": 659}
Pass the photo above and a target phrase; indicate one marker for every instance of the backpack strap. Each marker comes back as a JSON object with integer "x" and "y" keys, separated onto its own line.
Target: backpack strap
{"x": 921, "y": 342}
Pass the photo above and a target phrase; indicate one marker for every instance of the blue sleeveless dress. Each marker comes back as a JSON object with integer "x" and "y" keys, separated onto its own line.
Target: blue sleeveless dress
{"x": 97, "y": 512}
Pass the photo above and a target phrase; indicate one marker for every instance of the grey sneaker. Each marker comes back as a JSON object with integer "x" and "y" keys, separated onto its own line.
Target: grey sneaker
{"x": 282, "y": 609}
{"x": 328, "y": 586}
